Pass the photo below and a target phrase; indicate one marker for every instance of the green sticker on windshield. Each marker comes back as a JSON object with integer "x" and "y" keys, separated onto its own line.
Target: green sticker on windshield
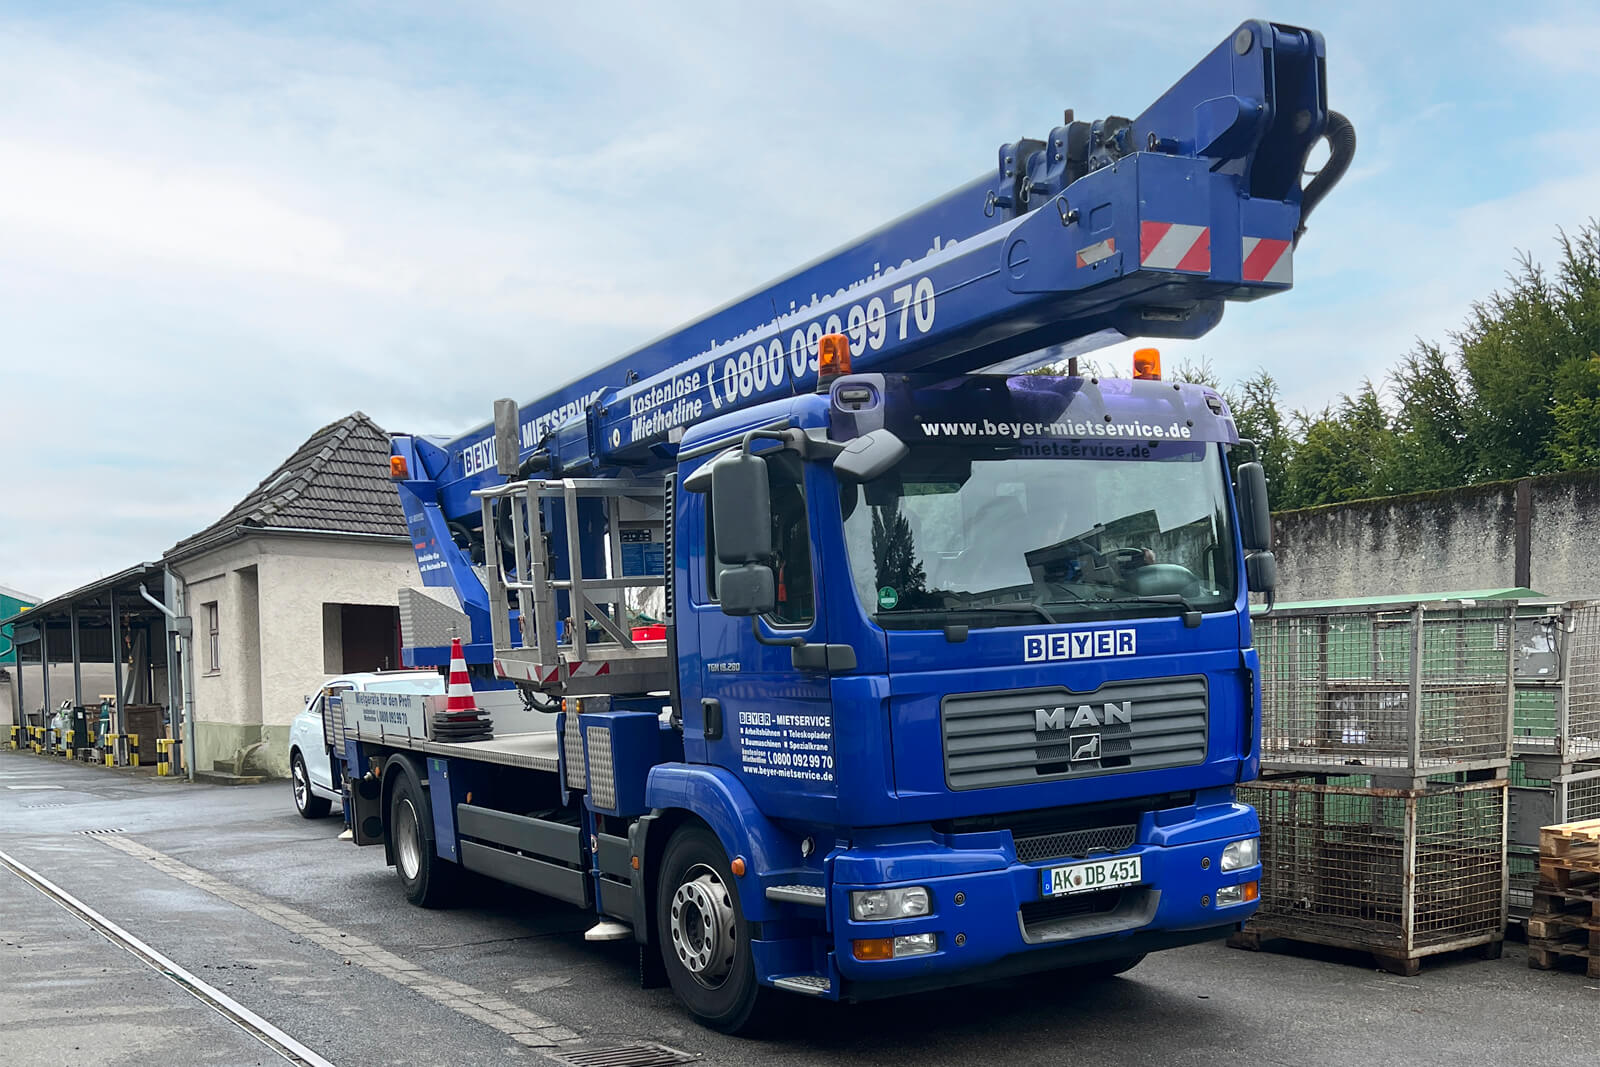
{"x": 887, "y": 597}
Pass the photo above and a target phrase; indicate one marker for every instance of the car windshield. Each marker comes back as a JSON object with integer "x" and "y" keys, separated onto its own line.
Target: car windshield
{"x": 422, "y": 683}
{"x": 990, "y": 537}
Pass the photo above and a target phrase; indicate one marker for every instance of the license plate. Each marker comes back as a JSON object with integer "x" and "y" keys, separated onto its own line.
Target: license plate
{"x": 1087, "y": 877}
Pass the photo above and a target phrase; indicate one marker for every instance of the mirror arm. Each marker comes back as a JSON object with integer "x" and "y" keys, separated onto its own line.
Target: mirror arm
{"x": 763, "y": 639}
{"x": 763, "y": 435}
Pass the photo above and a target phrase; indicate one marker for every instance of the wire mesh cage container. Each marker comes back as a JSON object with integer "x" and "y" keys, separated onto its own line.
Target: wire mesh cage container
{"x": 1399, "y": 873}
{"x": 1399, "y": 691}
{"x": 1557, "y": 677}
{"x": 1533, "y": 802}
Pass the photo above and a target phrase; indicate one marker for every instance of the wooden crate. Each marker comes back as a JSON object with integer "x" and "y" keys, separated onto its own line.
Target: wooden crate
{"x": 1565, "y": 924}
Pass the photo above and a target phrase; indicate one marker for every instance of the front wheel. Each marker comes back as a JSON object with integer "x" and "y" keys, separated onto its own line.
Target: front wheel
{"x": 704, "y": 939}
{"x": 307, "y": 803}
{"x": 428, "y": 879}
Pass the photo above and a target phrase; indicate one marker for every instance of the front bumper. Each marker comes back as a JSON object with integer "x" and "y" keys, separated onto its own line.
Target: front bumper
{"x": 1003, "y": 924}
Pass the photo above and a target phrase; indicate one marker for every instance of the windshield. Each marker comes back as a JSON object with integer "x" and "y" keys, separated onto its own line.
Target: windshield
{"x": 422, "y": 683}
{"x": 988, "y": 537}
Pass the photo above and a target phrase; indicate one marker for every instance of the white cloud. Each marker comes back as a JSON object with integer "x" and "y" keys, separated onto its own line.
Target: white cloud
{"x": 218, "y": 232}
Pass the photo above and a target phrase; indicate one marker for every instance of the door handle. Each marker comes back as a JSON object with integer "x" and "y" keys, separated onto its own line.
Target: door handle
{"x": 711, "y": 711}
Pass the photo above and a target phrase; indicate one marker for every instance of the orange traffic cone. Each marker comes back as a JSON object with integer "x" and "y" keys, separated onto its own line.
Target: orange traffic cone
{"x": 461, "y": 719}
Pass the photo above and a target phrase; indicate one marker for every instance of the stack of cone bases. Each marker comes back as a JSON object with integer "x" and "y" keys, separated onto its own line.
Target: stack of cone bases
{"x": 460, "y": 720}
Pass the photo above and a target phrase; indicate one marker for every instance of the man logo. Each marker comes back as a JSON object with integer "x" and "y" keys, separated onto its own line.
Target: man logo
{"x": 1046, "y": 719}
{"x": 1084, "y": 747}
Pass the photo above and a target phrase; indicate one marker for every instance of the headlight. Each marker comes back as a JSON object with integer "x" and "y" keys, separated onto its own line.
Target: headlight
{"x": 870, "y": 905}
{"x": 1241, "y": 854}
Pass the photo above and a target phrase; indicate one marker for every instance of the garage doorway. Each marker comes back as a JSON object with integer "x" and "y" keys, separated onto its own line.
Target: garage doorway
{"x": 360, "y": 637}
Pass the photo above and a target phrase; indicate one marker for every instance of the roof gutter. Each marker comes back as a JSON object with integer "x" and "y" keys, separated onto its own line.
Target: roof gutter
{"x": 236, "y": 533}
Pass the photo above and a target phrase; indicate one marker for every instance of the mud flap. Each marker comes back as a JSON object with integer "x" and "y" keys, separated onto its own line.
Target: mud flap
{"x": 366, "y": 810}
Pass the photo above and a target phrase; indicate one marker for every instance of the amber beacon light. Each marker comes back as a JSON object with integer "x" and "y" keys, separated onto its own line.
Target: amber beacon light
{"x": 1147, "y": 364}
{"x": 833, "y": 357}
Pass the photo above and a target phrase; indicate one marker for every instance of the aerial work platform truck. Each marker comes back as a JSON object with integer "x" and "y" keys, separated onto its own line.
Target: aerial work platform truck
{"x": 952, "y": 677}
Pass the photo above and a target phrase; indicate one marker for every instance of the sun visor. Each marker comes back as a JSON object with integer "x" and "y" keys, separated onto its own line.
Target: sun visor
{"x": 1053, "y": 412}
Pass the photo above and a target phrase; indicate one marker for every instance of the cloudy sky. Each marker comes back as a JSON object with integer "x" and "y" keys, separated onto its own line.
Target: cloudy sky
{"x": 223, "y": 225}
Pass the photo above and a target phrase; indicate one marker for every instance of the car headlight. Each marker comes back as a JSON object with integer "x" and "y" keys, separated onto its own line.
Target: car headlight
{"x": 1241, "y": 854}
{"x": 870, "y": 905}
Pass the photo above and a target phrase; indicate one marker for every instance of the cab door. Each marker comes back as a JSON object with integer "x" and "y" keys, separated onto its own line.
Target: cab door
{"x": 759, "y": 715}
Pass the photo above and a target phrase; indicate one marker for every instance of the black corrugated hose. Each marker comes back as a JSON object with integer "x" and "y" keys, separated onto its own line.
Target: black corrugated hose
{"x": 1341, "y": 137}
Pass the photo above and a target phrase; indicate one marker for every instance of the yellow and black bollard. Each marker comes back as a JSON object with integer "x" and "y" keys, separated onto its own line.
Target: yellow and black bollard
{"x": 133, "y": 750}
{"x": 163, "y": 750}
{"x": 16, "y": 738}
{"x": 111, "y": 750}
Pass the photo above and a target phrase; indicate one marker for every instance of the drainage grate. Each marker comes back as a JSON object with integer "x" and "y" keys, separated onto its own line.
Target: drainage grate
{"x": 42, "y": 807}
{"x": 627, "y": 1056}
{"x": 105, "y": 830}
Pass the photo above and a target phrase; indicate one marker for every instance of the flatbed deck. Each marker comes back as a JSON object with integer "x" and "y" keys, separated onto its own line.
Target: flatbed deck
{"x": 535, "y": 751}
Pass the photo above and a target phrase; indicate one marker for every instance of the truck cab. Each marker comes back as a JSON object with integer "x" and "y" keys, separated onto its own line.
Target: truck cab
{"x": 991, "y": 685}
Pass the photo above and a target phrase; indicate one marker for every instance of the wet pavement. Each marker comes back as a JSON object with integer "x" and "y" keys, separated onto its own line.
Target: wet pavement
{"x": 313, "y": 935}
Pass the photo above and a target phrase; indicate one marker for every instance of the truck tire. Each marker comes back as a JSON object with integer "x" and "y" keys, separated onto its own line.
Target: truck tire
{"x": 307, "y": 803}
{"x": 429, "y": 880}
{"x": 704, "y": 939}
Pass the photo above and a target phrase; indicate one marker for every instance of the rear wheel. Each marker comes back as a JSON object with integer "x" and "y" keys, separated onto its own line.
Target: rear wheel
{"x": 428, "y": 879}
{"x": 704, "y": 939}
{"x": 307, "y": 803}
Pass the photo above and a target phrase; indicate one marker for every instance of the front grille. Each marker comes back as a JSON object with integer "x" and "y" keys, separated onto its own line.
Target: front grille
{"x": 1015, "y": 737}
{"x": 1100, "y": 902}
{"x": 1076, "y": 843}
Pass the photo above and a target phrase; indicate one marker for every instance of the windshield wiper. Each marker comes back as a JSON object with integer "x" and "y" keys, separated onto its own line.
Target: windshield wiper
{"x": 1009, "y": 607}
{"x": 1191, "y": 614}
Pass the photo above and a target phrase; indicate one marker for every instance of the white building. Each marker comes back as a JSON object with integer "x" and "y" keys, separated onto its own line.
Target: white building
{"x": 298, "y": 581}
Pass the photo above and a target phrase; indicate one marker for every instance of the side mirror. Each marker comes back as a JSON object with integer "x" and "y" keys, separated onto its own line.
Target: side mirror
{"x": 1261, "y": 572}
{"x": 741, "y": 510}
{"x": 869, "y": 456}
{"x": 747, "y": 589}
{"x": 1255, "y": 518}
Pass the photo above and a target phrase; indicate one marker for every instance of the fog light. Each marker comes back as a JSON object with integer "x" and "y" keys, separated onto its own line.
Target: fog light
{"x": 915, "y": 945}
{"x": 870, "y": 905}
{"x": 1241, "y": 854}
{"x": 1238, "y": 894}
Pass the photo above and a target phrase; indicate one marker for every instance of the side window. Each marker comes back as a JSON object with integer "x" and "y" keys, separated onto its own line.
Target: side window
{"x": 791, "y": 543}
{"x": 711, "y": 553}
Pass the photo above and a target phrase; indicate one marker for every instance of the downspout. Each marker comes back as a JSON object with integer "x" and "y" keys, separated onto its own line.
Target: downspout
{"x": 185, "y": 661}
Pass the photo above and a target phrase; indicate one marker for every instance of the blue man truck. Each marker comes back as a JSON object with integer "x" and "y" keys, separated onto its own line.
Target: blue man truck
{"x": 953, "y": 675}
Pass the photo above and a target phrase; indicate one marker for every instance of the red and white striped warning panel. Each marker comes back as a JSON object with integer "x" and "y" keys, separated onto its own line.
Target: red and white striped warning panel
{"x": 1268, "y": 260}
{"x": 1094, "y": 253}
{"x": 1175, "y": 246}
{"x": 519, "y": 671}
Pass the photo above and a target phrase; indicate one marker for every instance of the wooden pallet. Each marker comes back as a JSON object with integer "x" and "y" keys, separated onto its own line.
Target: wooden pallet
{"x": 1565, "y": 923}
{"x": 1572, "y": 845}
{"x": 1253, "y": 938}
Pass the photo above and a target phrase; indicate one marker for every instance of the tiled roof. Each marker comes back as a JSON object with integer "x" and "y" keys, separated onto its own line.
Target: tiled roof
{"x": 337, "y": 482}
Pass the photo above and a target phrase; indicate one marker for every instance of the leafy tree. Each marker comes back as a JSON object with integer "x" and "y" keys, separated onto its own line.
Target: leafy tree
{"x": 1343, "y": 452}
{"x": 1254, "y": 403}
{"x": 1433, "y": 446}
{"x": 1520, "y": 347}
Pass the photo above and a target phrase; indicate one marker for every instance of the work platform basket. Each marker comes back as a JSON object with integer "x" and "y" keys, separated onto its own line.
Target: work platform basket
{"x": 1400, "y": 692}
{"x": 1398, "y": 873}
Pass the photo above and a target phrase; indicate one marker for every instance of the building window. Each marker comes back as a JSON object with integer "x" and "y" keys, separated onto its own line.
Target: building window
{"x": 213, "y": 642}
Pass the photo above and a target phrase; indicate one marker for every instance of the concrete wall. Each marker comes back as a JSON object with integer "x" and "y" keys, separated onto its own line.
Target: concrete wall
{"x": 1479, "y": 537}
{"x": 272, "y": 592}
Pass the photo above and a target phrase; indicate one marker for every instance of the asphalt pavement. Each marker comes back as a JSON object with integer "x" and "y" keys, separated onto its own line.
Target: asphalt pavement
{"x": 313, "y": 935}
